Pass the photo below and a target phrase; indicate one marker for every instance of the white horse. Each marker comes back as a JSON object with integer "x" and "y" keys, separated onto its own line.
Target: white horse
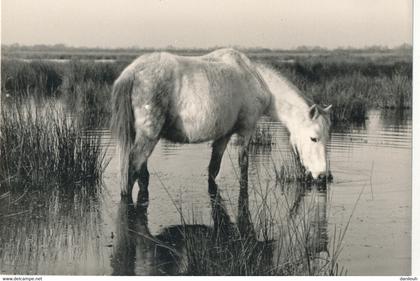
{"x": 210, "y": 97}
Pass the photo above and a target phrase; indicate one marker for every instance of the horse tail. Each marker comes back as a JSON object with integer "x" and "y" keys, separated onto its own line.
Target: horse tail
{"x": 122, "y": 122}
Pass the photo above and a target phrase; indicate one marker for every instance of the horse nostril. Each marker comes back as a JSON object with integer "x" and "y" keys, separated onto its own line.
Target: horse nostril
{"x": 330, "y": 176}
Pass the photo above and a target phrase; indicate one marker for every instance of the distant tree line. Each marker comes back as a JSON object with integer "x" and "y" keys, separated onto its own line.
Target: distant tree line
{"x": 64, "y": 48}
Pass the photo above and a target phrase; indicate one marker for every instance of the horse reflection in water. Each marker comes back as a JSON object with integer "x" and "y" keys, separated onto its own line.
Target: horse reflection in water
{"x": 195, "y": 249}
{"x": 308, "y": 213}
{"x": 136, "y": 251}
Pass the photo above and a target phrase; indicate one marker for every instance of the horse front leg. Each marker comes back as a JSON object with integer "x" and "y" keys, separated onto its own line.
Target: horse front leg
{"x": 243, "y": 160}
{"x": 244, "y": 219}
{"x": 219, "y": 147}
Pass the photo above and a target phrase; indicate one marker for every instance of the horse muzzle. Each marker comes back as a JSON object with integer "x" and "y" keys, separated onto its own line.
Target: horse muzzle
{"x": 321, "y": 179}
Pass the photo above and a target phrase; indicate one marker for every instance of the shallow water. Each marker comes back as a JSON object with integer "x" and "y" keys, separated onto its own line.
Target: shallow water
{"x": 67, "y": 232}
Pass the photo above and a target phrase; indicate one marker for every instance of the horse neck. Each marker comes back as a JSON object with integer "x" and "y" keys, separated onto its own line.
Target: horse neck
{"x": 287, "y": 103}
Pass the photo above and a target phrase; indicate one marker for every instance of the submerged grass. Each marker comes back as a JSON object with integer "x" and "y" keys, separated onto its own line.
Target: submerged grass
{"x": 41, "y": 147}
{"x": 289, "y": 170}
{"x": 262, "y": 136}
{"x": 275, "y": 236}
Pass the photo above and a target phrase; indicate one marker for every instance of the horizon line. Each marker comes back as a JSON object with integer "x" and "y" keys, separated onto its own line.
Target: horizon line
{"x": 403, "y": 45}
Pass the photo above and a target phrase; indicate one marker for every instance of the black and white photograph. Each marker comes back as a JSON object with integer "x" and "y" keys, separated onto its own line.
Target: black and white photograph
{"x": 206, "y": 138}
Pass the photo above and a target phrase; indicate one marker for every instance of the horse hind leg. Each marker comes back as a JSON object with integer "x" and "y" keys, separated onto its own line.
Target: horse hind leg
{"x": 137, "y": 171}
{"x": 143, "y": 182}
{"x": 148, "y": 125}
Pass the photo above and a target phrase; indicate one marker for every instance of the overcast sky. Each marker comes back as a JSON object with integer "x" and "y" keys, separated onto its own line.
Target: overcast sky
{"x": 207, "y": 23}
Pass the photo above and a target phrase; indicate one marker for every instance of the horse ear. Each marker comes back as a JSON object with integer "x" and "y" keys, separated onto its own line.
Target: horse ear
{"x": 313, "y": 112}
{"x": 328, "y": 108}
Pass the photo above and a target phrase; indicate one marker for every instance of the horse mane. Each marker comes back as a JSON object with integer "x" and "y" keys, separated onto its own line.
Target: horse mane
{"x": 273, "y": 79}
{"x": 279, "y": 75}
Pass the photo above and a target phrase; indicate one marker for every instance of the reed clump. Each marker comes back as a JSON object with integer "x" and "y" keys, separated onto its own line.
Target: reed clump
{"x": 42, "y": 147}
{"x": 90, "y": 102}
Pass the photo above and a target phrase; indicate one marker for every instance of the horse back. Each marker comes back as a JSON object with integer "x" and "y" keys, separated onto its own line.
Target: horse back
{"x": 200, "y": 98}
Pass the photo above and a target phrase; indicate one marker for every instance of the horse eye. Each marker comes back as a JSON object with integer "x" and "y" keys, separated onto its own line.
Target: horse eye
{"x": 314, "y": 139}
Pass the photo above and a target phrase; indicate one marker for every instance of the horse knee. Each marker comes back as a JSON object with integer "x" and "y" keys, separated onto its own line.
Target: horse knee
{"x": 144, "y": 174}
{"x": 140, "y": 152}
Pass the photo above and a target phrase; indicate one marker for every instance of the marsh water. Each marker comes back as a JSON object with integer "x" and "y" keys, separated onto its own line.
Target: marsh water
{"x": 96, "y": 233}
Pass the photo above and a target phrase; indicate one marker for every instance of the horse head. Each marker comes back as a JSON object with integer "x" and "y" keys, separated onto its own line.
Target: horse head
{"x": 310, "y": 139}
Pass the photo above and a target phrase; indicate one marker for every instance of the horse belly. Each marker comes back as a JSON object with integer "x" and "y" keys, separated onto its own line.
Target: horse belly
{"x": 199, "y": 122}
{"x": 201, "y": 112}
{"x": 212, "y": 123}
